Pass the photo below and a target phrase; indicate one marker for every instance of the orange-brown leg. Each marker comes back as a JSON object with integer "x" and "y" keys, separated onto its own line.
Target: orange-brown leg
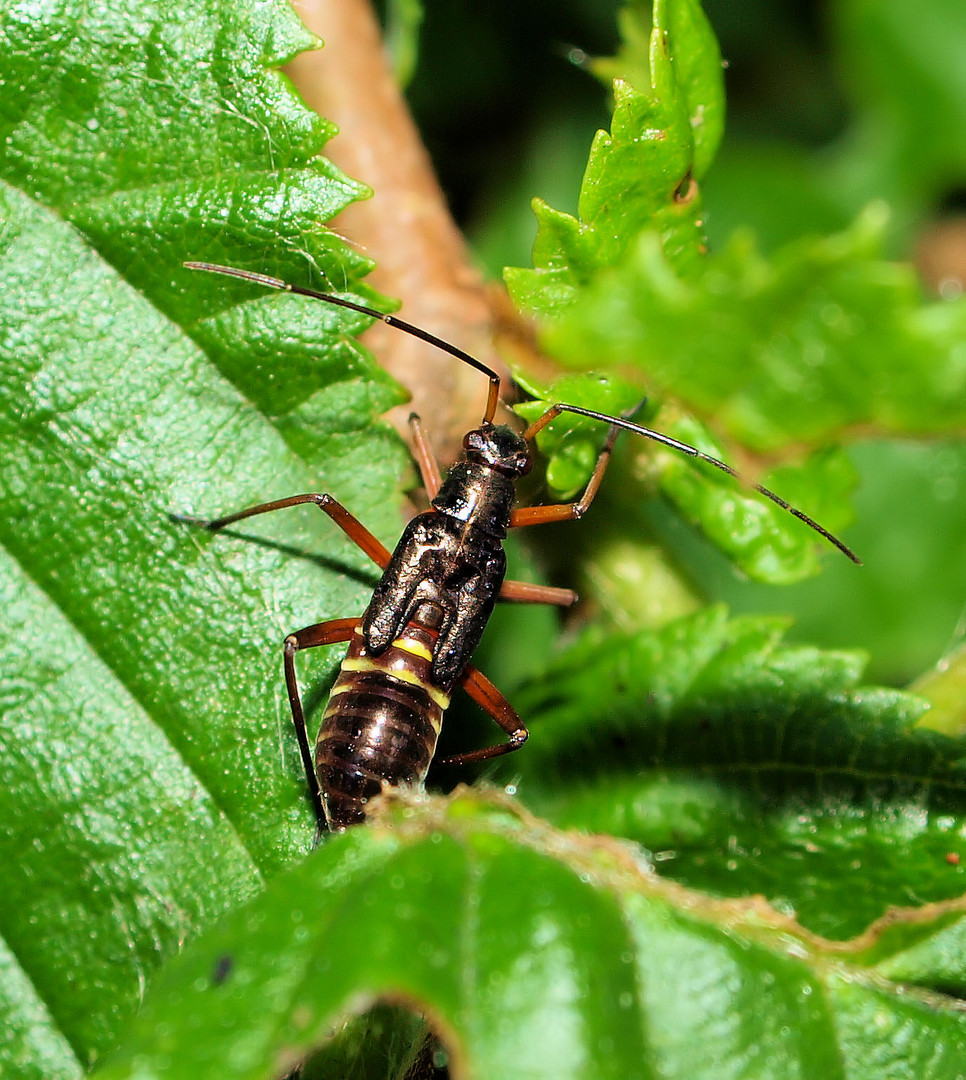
{"x": 350, "y": 525}
{"x": 425, "y": 459}
{"x": 486, "y": 695}
{"x": 523, "y": 592}
{"x": 526, "y": 592}
{"x": 542, "y": 515}
{"x": 325, "y": 633}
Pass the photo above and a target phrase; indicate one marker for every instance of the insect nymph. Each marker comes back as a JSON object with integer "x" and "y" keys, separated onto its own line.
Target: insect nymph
{"x": 414, "y": 642}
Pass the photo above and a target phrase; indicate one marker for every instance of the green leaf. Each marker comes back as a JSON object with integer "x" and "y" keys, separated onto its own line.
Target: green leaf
{"x": 149, "y": 779}
{"x": 749, "y": 766}
{"x": 763, "y": 346}
{"x": 642, "y": 174}
{"x": 689, "y": 327}
{"x": 695, "y": 68}
{"x": 538, "y": 954}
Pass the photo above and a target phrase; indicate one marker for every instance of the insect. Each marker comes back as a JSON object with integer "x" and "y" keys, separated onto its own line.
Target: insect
{"x": 414, "y": 642}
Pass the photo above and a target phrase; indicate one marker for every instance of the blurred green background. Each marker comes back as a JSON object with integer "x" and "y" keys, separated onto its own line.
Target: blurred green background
{"x": 830, "y": 106}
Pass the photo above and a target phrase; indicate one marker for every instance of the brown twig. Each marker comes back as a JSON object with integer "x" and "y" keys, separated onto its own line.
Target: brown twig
{"x": 406, "y": 226}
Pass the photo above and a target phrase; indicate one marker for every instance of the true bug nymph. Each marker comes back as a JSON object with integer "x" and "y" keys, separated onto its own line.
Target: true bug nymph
{"x": 415, "y": 640}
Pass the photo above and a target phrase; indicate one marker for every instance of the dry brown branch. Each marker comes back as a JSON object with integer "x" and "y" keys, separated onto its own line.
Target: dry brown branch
{"x": 406, "y": 227}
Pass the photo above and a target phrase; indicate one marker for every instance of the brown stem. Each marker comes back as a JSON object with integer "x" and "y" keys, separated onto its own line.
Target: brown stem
{"x": 406, "y": 226}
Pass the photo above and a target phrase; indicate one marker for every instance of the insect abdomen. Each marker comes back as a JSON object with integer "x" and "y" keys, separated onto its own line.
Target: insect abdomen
{"x": 380, "y": 725}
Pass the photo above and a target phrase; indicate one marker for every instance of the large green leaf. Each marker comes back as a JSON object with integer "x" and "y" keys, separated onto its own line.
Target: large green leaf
{"x": 541, "y": 954}
{"x": 750, "y": 766}
{"x": 149, "y": 777}
{"x": 744, "y": 767}
{"x": 820, "y": 342}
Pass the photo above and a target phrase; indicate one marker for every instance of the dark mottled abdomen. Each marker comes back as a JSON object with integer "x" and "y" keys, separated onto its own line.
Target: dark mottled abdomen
{"x": 380, "y": 725}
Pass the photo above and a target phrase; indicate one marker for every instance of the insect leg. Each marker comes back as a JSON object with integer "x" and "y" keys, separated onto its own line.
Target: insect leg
{"x": 326, "y": 633}
{"x": 486, "y": 695}
{"x": 526, "y": 592}
{"x": 425, "y": 459}
{"x": 350, "y": 525}
{"x": 542, "y": 515}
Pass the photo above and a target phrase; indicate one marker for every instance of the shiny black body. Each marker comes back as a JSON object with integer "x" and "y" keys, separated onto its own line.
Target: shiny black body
{"x": 452, "y": 556}
{"x": 420, "y": 630}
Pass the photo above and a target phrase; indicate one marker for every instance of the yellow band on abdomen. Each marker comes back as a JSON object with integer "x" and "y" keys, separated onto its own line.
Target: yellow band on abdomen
{"x": 367, "y": 664}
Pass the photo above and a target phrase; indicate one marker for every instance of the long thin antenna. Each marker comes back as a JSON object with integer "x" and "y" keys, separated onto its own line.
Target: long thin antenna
{"x": 691, "y": 451}
{"x": 494, "y": 391}
{"x": 493, "y": 397}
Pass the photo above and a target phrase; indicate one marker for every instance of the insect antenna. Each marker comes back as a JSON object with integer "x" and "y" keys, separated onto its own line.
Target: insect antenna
{"x": 494, "y": 391}
{"x": 693, "y": 452}
{"x": 493, "y": 397}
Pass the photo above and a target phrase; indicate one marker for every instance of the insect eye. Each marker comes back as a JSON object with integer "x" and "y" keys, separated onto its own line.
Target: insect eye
{"x": 472, "y": 440}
